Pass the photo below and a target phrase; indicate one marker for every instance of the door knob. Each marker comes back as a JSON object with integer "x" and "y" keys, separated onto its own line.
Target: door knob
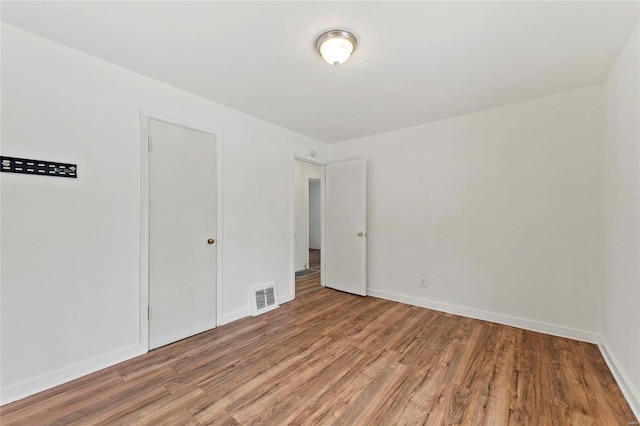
{"x": 360, "y": 234}
{"x": 211, "y": 241}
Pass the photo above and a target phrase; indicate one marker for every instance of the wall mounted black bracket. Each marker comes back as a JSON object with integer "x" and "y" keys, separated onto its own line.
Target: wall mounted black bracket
{"x": 38, "y": 167}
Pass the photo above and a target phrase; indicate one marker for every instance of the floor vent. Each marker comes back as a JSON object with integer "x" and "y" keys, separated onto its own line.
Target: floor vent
{"x": 263, "y": 299}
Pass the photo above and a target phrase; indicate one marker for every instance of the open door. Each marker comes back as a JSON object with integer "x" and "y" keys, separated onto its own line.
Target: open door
{"x": 346, "y": 226}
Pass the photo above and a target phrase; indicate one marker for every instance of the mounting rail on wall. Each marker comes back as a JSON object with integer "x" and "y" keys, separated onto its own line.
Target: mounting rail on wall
{"x": 38, "y": 167}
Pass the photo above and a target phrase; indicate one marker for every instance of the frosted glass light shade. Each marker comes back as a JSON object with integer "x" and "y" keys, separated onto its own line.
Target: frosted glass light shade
{"x": 336, "y": 46}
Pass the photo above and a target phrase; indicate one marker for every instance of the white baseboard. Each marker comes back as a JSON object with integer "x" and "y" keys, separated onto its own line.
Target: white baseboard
{"x": 300, "y": 268}
{"x": 314, "y": 248}
{"x": 541, "y": 327}
{"x": 284, "y": 299}
{"x": 629, "y": 391}
{"x": 67, "y": 374}
{"x": 235, "y": 316}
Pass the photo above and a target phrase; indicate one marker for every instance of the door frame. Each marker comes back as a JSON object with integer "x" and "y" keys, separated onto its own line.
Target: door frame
{"x": 145, "y": 116}
{"x": 312, "y": 160}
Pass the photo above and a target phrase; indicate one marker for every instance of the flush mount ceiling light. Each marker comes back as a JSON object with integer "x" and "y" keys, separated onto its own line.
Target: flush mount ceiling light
{"x": 336, "y": 46}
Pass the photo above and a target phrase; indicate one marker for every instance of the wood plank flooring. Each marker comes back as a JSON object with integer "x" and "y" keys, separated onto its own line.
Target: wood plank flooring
{"x": 334, "y": 358}
{"x": 314, "y": 259}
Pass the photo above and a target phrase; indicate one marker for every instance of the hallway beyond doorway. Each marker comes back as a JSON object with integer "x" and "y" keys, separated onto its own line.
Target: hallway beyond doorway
{"x": 314, "y": 264}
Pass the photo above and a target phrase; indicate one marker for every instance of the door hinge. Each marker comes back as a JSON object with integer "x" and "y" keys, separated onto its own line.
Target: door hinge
{"x": 149, "y": 312}
{"x": 149, "y": 143}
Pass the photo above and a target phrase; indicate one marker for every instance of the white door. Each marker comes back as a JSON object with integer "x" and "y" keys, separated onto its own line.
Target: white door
{"x": 346, "y": 226}
{"x": 182, "y": 232}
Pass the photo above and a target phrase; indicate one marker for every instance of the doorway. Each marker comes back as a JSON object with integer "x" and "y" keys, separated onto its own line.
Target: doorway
{"x": 343, "y": 229}
{"x": 308, "y": 228}
{"x": 180, "y": 220}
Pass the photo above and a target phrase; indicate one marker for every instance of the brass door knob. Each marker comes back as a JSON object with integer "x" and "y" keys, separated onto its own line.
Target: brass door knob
{"x": 211, "y": 241}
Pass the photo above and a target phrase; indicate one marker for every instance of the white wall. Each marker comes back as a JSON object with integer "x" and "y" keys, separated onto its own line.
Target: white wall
{"x": 315, "y": 226}
{"x": 500, "y": 211}
{"x": 621, "y": 301}
{"x": 71, "y": 249}
{"x": 303, "y": 171}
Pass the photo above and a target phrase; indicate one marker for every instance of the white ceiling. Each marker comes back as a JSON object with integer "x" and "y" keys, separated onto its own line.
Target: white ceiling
{"x": 416, "y": 62}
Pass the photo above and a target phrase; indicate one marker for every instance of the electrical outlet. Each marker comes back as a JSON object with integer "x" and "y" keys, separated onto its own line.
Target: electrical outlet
{"x": 423, "y": 283}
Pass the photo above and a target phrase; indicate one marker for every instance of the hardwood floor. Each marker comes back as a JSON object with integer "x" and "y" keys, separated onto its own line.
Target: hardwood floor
{"x": 335, "y": 358}
{"x": 314, "y": 259}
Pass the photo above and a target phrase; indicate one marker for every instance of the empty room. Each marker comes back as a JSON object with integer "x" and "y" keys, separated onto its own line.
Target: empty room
{"x": 317, "y": 212}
